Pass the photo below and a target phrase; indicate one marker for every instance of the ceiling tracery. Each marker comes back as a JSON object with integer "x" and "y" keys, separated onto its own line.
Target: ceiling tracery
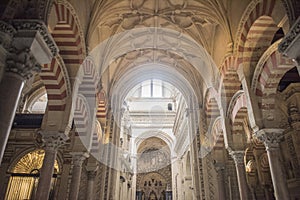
{"x": 195, "y": 18}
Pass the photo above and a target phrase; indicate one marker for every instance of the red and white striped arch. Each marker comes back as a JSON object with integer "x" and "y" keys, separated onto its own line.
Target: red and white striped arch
{"x": 82, "y": 116}
{"x": 212, "y": 110}
{"x": 86, "y": 102}
{"x": 89, "y": 79}
{"x": 97, "y": 137}
{"x": 231, "y": 83}
{"x": 217, "y": 133}
{"x": 259, "y": 28}
{"x": 238, "y": 102}
{"x": 272, "y": 71}
{"x": 238, "y": 114}
{"x": 56, "y": 83}
{"x": 68, "y": 34}
{"x": 101, "y": 109}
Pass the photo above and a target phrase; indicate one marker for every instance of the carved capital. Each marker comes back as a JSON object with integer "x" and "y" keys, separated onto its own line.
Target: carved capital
{"x": 238, "y": 156}
{"x": 270, "y": 137}
{"x": 27, "y": 26}
{"x": 78, "y": 158}
{"x": 53, "y": 140}
{"x": 22, "y": 63}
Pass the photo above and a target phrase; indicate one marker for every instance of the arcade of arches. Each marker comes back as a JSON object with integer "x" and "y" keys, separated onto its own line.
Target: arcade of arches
{"x": 150, "y": 99}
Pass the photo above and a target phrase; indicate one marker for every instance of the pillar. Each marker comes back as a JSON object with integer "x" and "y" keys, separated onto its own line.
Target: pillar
{"x": 238, "y": 157}
{"x": 29, "y": 46}
{"x": 91, "y": 174}
{"x": 19, "y": 67}
{"x": 78, "y": 159}
{"x": 271, "y": 139}
{"x": 220, "y": 180}
{"x": 52, "y": 141}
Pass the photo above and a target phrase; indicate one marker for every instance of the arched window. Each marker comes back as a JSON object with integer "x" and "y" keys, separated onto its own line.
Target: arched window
{"x": 39, "y": 106}
{"x": 25, "y": 175}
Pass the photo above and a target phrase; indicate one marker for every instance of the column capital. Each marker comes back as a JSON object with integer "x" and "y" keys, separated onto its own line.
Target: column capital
{"x": 30, "y": 27}
{"x": 22, "y": 63}
{"x": 30, "y": 47}
{"x": 78, "y": 158}
{"x": 52, "y": 140}
{"x": 238, "y": 156}
{"x": 270, "y": 137}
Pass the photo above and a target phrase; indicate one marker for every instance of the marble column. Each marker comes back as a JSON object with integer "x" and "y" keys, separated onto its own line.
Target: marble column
{"x": 220, "y": 180}
{"x": 271, "y": 139}
{"x": 52, "y": 141}
{"x": 238, "y": 157}
{"x": 78, "y": 159}
{"x": 20, "y": 66}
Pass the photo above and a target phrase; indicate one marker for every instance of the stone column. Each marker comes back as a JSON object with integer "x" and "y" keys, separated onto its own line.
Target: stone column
{"x": 91, "y": 182}
{"x": 238, "y": 157}
{"x": 220, "y": 179}
{"x": 20, "y": 66}
{"x": 271, "y": 139}
{"x": 52, "y": 141}
{"x": 30, "y": 47}
{"x": 78, "y": 159}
